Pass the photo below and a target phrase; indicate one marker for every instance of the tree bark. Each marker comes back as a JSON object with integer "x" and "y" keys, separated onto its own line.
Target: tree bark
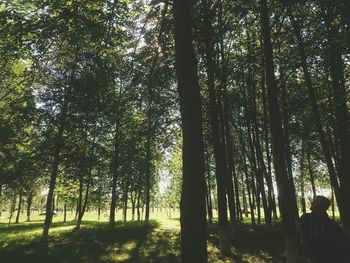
{"x": 192, "y": 215}
{"x": 286, "y": 194}
{"x": 220, "y": 165}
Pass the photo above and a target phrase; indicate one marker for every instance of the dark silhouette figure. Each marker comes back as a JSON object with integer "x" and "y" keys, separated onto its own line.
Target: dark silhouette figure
{"x": 323, "y": 240}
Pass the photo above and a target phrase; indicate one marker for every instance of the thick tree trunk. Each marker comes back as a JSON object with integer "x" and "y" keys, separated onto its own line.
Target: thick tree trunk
{"x": 193, "y": 216}
{"x": 286, "y": 194}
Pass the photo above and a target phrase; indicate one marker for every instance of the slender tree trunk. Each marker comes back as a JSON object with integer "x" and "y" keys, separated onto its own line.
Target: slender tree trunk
{"x": 125, "y": 206}
{"x": 268, "y": 174}
{"x": 193, "y": 216}
{"x": 57, "y": 149}
{"x": 133, "y": 205}
{"x": 138, "y": 205}
{"x": 84, "y": 205}
{"x": 76, "y": 211}
{"x": 333, "y": 205}
{"x": 244, "y": 198}
{"x": 341, "y": 110}
{"x": 0, "y": 199}
{"x": 29, "y": 205}
{"x": 148, "y": 172}
{"x": 115, "y": 172}
{"x": 150, "y": 115}
{"x": 220, "y": 165}
{"x": 65, "y": 213}
{"x": 19, "y": 206}
{"x": 228, "y": 166}
{"x": 260, "y": 171}
{"x": 311, "y": 173}
{"x": 317, "y": 118}
{"x": 12, "y": 207}
{"x": 208, "y": 191}
{"x": 286, "y": 194}
{"x": 248, "y": 184}
{"x": 302, "y": 188}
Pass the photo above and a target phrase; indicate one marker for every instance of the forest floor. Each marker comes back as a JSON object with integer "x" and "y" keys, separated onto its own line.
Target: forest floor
{"x": 128, "y": 242}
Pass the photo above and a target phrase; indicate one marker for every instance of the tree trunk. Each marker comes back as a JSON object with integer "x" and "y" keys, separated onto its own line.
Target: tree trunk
{"x": 0, "y": 199}
{"x": 83, "y": 206}
{"x": 133, "y": 205}
{"x": 268, "y": 175}
{"x": 148, "y": 173}
{"x": 138, "y": 205}
{"x": 19, "y": 206}
{"x": 208, "y": 191}
{"x": 286, "y": 194}
{"x": 29, "y": 205}
{"x": 65, "y": 213}
{"x": 125, "y": 200}
{"x": 302, "y": 189}
{"x": 341, "y": 111}
{"x": 317, "y": 118}
{"x": 193, "y": 216}
{"x": 115, "y": 172}
{"x": 150, "y": 115}
{"x": 220, "y": 165}
{"x": 12, "y": 207}
{"x": 57, "y": 149}
{"x": 311, "y": 173}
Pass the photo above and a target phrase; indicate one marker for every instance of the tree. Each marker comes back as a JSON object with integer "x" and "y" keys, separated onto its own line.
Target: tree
{"x": 193, "y": 222}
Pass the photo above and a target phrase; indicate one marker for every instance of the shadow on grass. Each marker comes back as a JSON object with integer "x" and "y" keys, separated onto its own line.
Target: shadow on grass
{"x": 95, "y": 242}
{"x": 260, "y": 243}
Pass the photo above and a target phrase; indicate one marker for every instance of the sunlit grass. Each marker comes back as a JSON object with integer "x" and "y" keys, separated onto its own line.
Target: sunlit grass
{"x": 128, "y": 242}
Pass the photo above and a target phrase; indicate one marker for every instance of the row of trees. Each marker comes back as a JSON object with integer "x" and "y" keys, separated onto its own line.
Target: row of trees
{"x": 276, "y": 84}
{"x": 90, "y": 112}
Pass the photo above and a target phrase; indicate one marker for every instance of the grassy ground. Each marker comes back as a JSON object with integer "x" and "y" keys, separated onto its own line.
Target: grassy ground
{"x": 129, "y": 242}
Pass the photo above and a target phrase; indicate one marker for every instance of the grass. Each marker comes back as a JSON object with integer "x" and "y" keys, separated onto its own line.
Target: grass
{"x": 129, "y": 242}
